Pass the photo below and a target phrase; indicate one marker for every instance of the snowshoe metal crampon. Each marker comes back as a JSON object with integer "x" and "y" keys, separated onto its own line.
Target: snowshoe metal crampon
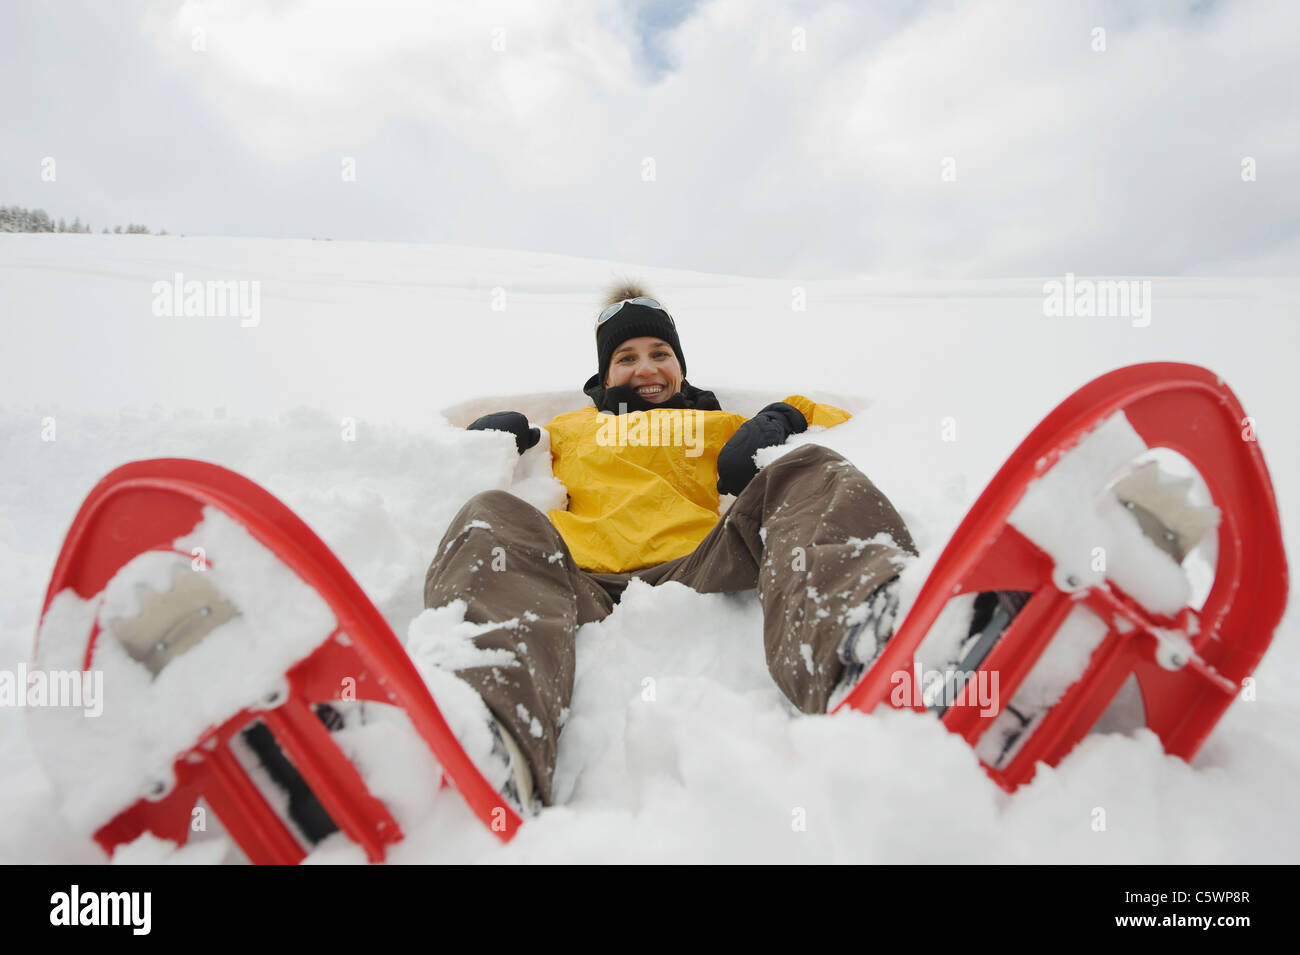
{"x": 1189, "y": 664}
{"x": 145, "y": 507}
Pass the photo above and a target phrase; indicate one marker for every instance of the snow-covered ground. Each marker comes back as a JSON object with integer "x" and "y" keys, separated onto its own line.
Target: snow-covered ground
{"x": 375, "y": 341}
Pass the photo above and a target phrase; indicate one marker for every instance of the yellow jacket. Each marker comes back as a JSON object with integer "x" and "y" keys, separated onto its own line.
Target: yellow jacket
{"x": 643, "y": 486}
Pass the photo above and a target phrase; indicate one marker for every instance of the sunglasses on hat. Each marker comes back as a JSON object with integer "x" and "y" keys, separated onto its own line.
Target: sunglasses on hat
{"x": 614, "y": 309}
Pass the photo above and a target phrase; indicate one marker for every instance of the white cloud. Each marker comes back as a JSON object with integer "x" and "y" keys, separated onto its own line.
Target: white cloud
{"x": 770, "y": 160}
{"x": 302, "y": 78}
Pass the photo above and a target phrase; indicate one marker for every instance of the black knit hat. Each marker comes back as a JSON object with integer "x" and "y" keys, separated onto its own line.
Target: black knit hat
{"x": 635, "y": 318}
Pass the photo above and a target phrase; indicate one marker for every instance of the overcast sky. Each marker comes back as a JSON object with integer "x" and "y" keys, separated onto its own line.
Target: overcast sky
{"x": 782, "y": 139}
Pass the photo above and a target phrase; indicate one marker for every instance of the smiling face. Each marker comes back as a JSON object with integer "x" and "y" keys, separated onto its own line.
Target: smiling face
{"x": 647, "y": 364}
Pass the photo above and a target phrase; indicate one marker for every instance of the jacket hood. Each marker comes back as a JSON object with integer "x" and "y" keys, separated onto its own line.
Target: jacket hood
{"x": 623, "y": 398}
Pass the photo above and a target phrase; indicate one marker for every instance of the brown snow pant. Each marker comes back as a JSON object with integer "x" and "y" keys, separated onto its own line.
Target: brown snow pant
{"x": 803, "y": 533}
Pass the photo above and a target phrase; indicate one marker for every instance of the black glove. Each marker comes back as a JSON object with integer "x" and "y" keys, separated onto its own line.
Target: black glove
{"x": 770, "y": 426}
{"x": 512, "y": 422}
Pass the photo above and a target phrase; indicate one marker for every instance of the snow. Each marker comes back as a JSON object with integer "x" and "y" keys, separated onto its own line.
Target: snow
{"x": 1094, "y": 539}
{"x": 470, "y": 526}
{"x": 677, "y": 746}
{"x": 442, "y": 637}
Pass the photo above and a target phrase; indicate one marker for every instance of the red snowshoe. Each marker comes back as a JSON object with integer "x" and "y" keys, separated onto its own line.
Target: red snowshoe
{"x": 212, "y": 686}
{"x": 161, "y": 554}
{"x": 1086, "y": 608}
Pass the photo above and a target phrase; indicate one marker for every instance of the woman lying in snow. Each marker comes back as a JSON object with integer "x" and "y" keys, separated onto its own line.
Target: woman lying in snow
{"x": 644, "y": 467}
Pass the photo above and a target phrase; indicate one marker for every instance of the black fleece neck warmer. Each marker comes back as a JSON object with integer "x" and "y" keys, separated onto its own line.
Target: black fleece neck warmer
{"x": 623, "y": 398}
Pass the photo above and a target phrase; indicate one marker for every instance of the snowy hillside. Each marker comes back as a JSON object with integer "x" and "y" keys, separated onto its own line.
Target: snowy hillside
{"x": 397, "y": 345}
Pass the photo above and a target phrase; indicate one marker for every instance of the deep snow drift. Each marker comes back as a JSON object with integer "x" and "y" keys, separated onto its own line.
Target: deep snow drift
{"x": 332, "y": 401}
